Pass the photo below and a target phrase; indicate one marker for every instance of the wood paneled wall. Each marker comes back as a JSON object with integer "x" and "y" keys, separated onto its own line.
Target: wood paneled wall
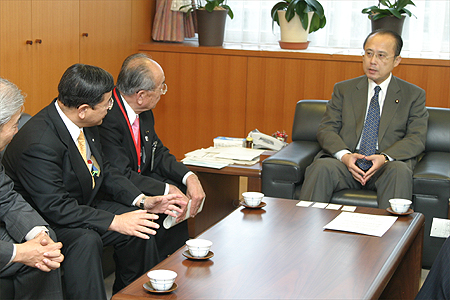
{"x": 214, "y": 91}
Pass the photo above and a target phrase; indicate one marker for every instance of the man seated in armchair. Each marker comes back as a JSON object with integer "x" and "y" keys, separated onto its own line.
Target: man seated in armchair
{"x": 372, "y": 131}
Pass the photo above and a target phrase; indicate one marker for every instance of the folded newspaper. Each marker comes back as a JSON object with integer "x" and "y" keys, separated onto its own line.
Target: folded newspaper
{"x": 170, "y": 221}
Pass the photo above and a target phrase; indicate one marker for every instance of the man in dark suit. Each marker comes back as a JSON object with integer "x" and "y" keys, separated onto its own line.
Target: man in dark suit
{"x": 57, "y": 165}
{"x": 26, "y": 249}
{"x": 400, "y": 132}
{"x": 131, "y": 144}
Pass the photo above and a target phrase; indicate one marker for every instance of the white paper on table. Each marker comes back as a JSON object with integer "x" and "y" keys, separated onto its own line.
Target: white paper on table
{"x": 320, "y": 205}
{"x": 304, "y": 203}
{"x": 206, "y": 164}
{"x": 361, "y": 223}
{"x": 333, "y": 206}
{"x": 348, "y": 208}
{"x": 170, "y": 221}
{"x": 440, "y": 228}
{"x": 239, "y": 153}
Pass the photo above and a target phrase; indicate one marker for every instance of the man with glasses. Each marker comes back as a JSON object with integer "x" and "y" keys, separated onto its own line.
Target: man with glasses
{"x": 57, "y": 165}
{"x": 131, "y": 144}
{"x": 372, "y": 131}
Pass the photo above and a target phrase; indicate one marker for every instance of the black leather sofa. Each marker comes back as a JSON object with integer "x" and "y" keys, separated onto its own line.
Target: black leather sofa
{"x": 283, "y": 173}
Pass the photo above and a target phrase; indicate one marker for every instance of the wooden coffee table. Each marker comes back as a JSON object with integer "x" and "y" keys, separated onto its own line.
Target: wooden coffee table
{"x": 282, "y": 252}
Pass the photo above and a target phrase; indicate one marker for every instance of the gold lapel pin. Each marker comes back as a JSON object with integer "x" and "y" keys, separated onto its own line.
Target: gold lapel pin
{"x": 397, "y": 101}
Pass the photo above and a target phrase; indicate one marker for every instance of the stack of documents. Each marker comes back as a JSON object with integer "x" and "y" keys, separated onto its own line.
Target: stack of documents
{"x": 221, "y": 157}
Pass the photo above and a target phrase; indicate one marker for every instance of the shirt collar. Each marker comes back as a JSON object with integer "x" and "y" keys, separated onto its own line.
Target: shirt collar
{"x": 130, "y": 112}
{"x": 74, "y": 130}
{"x": 384, "y": 85}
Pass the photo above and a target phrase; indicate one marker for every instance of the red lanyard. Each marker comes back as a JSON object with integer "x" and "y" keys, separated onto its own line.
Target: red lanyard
{"x": 137, "y": 145}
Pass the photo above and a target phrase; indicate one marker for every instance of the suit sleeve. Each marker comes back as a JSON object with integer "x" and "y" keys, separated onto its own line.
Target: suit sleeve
{"x": 16, "y": 214}
{"x": 331, "y": 124}
{"x": 408, "y": 141}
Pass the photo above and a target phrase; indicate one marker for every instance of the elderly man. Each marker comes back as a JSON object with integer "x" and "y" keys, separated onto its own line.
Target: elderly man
{"x": 57, "y": 165}
{"x": 372, "y": 131}
{"x": 25, "y": 247}
{"x": 131, "y": 144}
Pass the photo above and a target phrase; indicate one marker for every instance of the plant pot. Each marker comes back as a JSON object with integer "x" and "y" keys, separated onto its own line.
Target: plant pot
{"x": 293, "y": 35}
{"x": 391, "y": 23}
{"x": 211, "y": 27}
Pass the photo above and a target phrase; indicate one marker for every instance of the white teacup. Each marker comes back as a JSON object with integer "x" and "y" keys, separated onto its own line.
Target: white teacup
{"x": 400, "y": 205}
{"x": 198, "y": 247}
{"x": 253, "y": 198}
{"x": 162, "y": 280}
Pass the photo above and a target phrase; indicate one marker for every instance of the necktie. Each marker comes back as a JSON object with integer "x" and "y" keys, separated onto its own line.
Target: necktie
{"x": 82, "y": 148}
{"x": 370, "y": 132}
{"x": 135, "y": 128}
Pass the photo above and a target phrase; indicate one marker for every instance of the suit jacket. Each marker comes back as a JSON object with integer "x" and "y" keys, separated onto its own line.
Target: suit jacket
{"x": 48, "y": 170}
{"x": 157, "y": 162}
{"x": 403, "y": 122}
{"x": 17, "y": 218}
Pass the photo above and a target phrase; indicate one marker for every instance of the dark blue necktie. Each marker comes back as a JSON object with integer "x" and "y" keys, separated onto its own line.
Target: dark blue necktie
{"x": 370, "y": 132}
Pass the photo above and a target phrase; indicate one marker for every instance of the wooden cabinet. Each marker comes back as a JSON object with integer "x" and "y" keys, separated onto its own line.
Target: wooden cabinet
{"x": 107, "y": 41}
{"x": 39, "y": 40}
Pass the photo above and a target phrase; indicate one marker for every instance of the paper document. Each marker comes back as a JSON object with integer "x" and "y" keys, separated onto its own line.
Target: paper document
{"x": 361, "y": 223}
{"x": 170, "y": 221}
{"x": 220, "y": 157}
{"x": 440, "y": 228}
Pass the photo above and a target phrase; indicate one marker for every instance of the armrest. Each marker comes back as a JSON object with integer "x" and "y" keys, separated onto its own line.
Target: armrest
{"x": 431, "y": 182}
{"x": 285, "y": 169}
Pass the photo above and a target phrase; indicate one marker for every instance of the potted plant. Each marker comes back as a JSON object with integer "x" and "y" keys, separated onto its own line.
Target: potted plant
{"x": 211, "y": 19}
{"x": 297, "y": 18}
{"x": 391, "y": 17}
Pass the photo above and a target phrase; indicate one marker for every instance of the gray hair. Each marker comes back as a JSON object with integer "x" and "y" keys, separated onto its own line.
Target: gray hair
{"x": 11, "y": 100}
{"x": 135, "y": 75}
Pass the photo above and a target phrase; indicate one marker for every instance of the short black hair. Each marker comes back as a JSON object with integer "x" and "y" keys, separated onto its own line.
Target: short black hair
{"x": 84, "y": 84}
{"x": 395, "y": 35}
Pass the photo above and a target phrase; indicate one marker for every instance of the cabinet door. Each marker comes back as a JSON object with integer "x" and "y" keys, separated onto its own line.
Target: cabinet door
{"x": 15, "y": 54}
{"x": 55, "y": 34}
{"x": 105, "y": 28}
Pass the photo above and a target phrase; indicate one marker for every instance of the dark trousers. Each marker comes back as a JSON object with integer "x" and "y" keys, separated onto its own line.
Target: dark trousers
{"x": 437, "y": 283}
{"x": 83, "y": 249}
{"x": 32, "y": 283}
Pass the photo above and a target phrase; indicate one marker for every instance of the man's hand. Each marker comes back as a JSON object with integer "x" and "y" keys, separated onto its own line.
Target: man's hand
{"x": 170, "y": 204}
{"x": 174, "y": 190}
{"x": 41, "y": 252}
{"x": 377, "y": 161}
{"x": 195, "y": 193}
{"x": 359, "y": 175}
{"x": 136, "y": 223}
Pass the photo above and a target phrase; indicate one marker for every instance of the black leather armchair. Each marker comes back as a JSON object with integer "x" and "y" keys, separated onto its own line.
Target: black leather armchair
{"x": 283, "y": 173}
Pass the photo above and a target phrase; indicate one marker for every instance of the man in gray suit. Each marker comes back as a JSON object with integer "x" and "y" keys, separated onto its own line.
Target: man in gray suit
{"x": 400, "y": 132}
{"x": 26, "y": 249}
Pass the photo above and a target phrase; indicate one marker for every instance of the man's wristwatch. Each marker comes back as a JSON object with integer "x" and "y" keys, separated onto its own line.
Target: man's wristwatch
{"x": 141, "y": 202}
{"x": 386, "y": 158}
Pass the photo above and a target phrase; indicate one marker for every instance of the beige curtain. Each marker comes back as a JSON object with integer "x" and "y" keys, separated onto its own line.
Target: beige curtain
{"x": 171, "y": 26}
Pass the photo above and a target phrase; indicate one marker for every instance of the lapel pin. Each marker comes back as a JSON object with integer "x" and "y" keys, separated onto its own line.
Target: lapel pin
{"x": 93, "y": 140}
{"x": 397, "y": 101}
{"x": 146, "y": 138}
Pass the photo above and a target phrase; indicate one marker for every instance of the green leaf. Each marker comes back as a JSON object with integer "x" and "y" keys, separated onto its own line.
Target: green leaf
{"x": 230, "y": 12}
{"x": 317, "y": 7}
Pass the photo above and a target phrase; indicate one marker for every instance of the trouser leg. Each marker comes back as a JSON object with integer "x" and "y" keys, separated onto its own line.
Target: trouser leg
{"x": 392, "y": 180}
{"x": 325, "y": 176}
{"x": 133, "y": 256}
{"x": 82, "y": 266}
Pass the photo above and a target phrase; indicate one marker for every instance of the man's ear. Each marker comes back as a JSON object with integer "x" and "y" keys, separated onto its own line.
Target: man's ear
{"x": 82, "y": 111}
{"x": 140, "y": 97}
{"x": 397, "y": 61}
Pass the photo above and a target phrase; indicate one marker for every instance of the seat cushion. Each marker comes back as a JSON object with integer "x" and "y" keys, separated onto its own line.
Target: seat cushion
{"x": 364, "y": 198}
